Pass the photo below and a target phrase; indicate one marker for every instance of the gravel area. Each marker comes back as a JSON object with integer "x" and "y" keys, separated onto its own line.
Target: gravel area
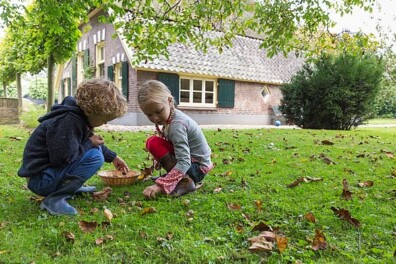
{"x": 109, "y": 127}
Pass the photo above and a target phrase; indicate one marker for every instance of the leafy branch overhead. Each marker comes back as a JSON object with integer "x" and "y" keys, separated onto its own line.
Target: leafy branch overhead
{"x": 150, "y": 27}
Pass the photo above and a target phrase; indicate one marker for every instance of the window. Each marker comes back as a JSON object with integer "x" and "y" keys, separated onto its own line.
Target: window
{"x": 80, "y": 67}
{"x": 100, "y": 59}
{"x": 65, "y": 89}
{"x": 265, "y": 93}
{"x": 118, "y": 74}
{"x": 197, "y": 92}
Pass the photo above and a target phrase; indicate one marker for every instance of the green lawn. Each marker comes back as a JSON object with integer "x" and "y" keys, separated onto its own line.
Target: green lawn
{"x": 379, "y": 121}
{"x": 213, "y": 225}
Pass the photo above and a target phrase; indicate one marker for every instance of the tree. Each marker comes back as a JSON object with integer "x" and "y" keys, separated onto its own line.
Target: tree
{"x": 149, "y": 27}
{"x": 337, "y": 92}
{"x": 38, "y": 88}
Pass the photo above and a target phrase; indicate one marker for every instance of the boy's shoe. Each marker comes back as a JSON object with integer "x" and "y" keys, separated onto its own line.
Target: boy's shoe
{"x": 86, "y": 189}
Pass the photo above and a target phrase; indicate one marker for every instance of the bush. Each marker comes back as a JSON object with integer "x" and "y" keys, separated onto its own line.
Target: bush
{"x": 336, "y": 92}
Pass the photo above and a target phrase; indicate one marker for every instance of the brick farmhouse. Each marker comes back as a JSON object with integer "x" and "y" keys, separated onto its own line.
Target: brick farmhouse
{"x": 239, "y": 86}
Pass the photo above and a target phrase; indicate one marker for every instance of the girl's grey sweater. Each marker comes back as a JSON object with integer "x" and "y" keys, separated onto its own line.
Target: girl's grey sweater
{"x": 188, "y": 141}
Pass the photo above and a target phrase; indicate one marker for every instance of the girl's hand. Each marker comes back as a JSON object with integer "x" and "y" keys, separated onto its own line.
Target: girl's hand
{"x": 96, "y": 140}
{"x": 120, "y": 165}
{"x": 152, "y": 190}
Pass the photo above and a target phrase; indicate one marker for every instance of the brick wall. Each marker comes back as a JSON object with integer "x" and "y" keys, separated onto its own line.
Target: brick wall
{"x": 9, "y": 113}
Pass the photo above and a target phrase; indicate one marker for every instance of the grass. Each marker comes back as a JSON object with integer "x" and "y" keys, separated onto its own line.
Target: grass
{"x": 253, "y": 167}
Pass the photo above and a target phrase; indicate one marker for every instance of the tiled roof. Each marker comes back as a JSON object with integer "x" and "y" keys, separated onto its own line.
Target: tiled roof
{"x": 244, "y": 61}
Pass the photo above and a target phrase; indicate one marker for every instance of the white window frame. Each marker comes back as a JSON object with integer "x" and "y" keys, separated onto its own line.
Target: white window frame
{"x": 65, "y": 87}
{"x": 80, "y": 67}
{"x": 100, "y": 61}
{"x": 203, "y": 92}
{"x": 118, "y": 75}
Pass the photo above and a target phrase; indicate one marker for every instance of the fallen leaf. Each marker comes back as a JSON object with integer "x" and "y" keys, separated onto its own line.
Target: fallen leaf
{"x": 261, "y": 227}
{"x": 346, "y": 194}
{"x": 327, "y": 142}
{"x": 345, "y": 215}
{"x": 258, "y": 204}
{"x": 388, "y": 154}
{"x": 69, "y": 236}
{"x": 108, "y": 214}
{"x": 99, "y": 241}
{"x": 281, "y": 243}
{"x": 102, "y": 195}
{"x": 366, "y": 184}
{"x": 87, "y": 227}
{"x": 310, "y": 217}
{"x": 217, "y": 189}
{"x": 148, "y": 210}
{"x": 295, "y": 183}
{"x": 319, "y": 241}
{"x": 233, "y": 206}
{"x": 261, "y": 246}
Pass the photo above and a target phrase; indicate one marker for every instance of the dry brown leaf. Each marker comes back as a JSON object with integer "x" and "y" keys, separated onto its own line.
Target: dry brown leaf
{"x": 234, "y": 206}
{"x": 69, "y": 236}
{"x": 87, "y": 227}
{"x": 259, "y": 204}
{"x": 346, "y": 194}
{"x": 310, "y": 217}
{"x": 281, "y": 243}
{"x": 327, "y": 142}
{"x": 319, "y": 241}
{"x": 108, "y": 214}
{"x": 102, "y": 195}
{"x": 99, "y": 241}
{"x": 345, "y": 215}
{"x": 262, "y": 227}
{"x": 227, "y": 173}
{"x": 388, "y": 154}
{"x": 295, "y": 183}
{"x": 261, "y": 246}
{"x": 149, "y": 210}
{"x": 366, "y": 184}
{"x": 217, "y": 189}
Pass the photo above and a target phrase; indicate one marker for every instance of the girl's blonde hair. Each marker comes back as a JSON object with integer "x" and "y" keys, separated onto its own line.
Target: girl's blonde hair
{"x": 101, "y": 96}
{"x": 154, "y": 91}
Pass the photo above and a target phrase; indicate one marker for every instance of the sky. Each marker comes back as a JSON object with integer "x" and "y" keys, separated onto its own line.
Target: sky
{"x": 384, "y": 14}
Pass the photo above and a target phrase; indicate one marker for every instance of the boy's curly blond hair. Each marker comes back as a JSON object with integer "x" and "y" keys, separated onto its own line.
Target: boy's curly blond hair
{"x": 101, "y": 96}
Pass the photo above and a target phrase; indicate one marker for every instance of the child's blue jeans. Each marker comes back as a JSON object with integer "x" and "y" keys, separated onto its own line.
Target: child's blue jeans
{"x": 51, "y": 179}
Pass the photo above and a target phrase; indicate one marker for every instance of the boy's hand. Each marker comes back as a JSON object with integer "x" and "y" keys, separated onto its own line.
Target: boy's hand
{"x": 120, "y": 165}
{"x": 152, "y": 190}
{"x": 96, "y": 140}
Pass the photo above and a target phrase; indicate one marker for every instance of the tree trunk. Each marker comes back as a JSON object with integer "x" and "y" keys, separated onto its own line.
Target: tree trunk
{"x": 5, "y": 90}
{"x": 50, "y": 74}
{"x": 19, "y": 90}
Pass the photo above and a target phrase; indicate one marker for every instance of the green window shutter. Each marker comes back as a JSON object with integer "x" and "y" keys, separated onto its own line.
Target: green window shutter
{"x": 172, "y": 81}
{"x": 74, "y": 73}
{"x": 69, "y": 86}
{"x": 226, "y": 93}
{"x": 86, "y": 59}
{"x": 110, "y": 72}
{"x": 125, "y": 79}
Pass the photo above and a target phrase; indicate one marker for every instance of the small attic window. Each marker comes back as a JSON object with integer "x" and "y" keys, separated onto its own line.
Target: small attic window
{"x": 265, "y": 93}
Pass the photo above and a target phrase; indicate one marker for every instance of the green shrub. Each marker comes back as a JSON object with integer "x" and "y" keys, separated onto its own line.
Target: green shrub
{"x": 30, "y": 114}
{"x": 336, "y": 92}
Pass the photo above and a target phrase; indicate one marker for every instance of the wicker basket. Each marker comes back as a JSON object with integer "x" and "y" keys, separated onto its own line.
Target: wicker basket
{"x": 117, "y": 178}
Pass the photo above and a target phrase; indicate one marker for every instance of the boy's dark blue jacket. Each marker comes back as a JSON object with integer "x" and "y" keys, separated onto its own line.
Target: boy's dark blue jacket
{"x": 61, "y": 138}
